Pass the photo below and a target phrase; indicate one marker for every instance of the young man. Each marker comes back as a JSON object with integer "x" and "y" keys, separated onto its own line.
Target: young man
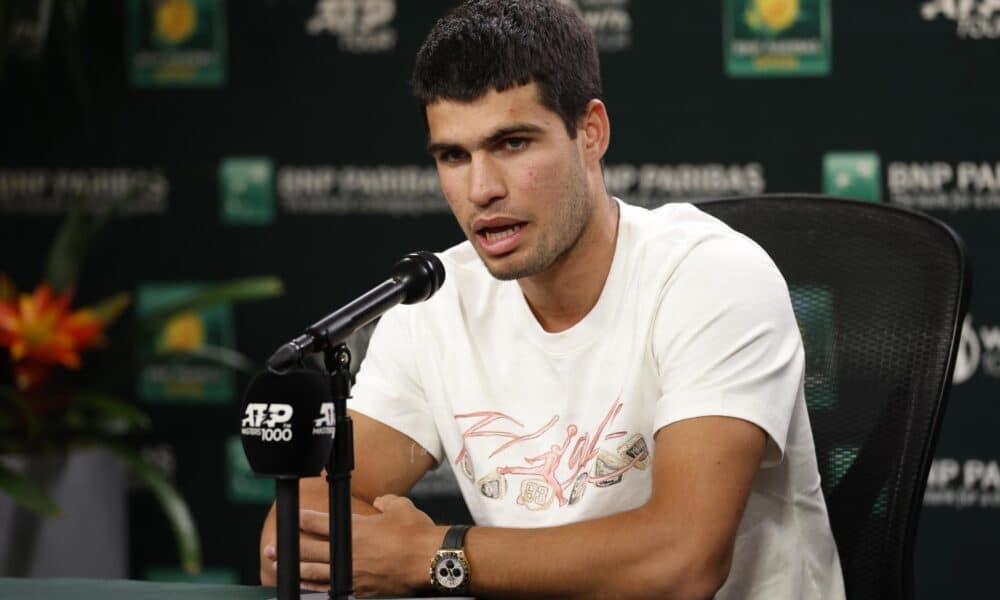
{"x": 618, "y": 390}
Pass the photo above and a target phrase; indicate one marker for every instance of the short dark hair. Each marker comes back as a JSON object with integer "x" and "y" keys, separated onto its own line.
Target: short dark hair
{"x": 484, "y": 45}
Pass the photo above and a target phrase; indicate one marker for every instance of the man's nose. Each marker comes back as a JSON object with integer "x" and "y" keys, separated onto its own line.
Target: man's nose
{"x": 486, "y": 182}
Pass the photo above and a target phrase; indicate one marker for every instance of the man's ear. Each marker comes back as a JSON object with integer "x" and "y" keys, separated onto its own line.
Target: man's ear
{"x": 594, "y": 131}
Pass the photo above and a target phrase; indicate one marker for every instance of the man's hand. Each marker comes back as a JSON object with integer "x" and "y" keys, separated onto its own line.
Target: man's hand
{"x": 391, "y": 550}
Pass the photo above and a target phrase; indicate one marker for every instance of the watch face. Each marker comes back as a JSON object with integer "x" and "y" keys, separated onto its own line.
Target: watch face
{"x": 449, "y": 570}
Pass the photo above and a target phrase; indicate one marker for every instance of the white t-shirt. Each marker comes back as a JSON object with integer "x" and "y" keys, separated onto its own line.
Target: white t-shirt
{"x": 546, "y": 428}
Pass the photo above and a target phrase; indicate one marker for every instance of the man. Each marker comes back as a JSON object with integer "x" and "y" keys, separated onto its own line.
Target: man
{"x": 618, "y": 390}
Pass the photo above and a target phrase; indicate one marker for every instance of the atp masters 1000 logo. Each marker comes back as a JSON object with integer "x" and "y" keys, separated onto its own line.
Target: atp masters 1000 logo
{"x": 974, "y": 19}
{"x": 361, "y": 26}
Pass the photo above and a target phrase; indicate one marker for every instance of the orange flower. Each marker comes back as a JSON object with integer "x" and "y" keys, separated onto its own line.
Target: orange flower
{"x": 39, "y": 331}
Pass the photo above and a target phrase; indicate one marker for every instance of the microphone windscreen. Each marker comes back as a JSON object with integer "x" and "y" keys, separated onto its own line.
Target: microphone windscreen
{"x": 421, "y": 273}
{"x": 287, "y": 423}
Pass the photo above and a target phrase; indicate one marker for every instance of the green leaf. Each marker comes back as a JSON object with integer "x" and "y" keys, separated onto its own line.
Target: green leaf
{"x": 62, "y": 269}
{"x": 68, "y": 251}
{"x": 110, "y": 406}
{"x": 218, "y": 355}
{"x": 25, "y": 493}
{"x": 237, "y": 290}
{"x": 174, "y": 506}
{"x": 109, "y": 309}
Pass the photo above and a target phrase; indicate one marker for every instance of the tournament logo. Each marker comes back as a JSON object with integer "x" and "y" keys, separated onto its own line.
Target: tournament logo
{"x": 177, "y": 43}
{"x": 652, "y": 185}
{"x": 57, "y": 191}
{"x": 270, "y": 422}
{"x": 978, "y": 350}
{"x": 610, "y": 20}
{"x": 940, "y": 185}
{"x": 171, "y": 373}
{"x": 777, "y": 37}
{"x": 974, "y": 19}
{"x": 963, "y": 483}
{"x": 361, "y": 26}
{"x": 246, "y": 189}
{"x": 396, "y": 190}
{"x": 855, "y": 175}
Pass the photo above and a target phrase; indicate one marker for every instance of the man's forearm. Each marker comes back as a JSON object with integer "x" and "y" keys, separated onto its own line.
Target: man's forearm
{"x": 627, "y": 555}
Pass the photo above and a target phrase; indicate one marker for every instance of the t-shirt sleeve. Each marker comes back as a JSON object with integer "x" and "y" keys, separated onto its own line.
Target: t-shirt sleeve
{"x": 388, "y": 387}
{"x": 726, "y": 342}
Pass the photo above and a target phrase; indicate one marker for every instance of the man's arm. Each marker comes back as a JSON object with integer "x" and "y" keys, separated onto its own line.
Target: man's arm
{"x": 677, "y": 545}
{"x": 386, "y": 462}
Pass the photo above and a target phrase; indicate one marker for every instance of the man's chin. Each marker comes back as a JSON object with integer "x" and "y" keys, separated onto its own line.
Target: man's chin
{"x": 507, "y": 268}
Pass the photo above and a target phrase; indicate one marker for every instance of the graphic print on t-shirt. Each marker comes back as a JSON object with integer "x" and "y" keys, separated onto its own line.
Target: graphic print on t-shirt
{"x": 551, "y": 475}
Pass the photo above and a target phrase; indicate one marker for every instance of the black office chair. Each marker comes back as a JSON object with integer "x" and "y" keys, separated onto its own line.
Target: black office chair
{"x": 879, "y": 293}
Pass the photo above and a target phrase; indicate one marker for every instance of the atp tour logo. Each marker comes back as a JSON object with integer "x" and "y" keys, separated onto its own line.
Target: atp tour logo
{"x": 974, "y": 19}
{"x": 324, "y": 424}
{"x": 361, "y": 26}
{"x": 978, "y": 349}
{"x": 269, "y": 422}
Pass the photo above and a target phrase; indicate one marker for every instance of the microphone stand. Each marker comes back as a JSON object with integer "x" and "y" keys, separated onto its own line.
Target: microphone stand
{"x": 338, "y": 473}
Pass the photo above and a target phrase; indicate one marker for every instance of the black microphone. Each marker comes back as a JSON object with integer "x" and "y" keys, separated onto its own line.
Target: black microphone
{"x": 414, "y": 279}
{"x": 287, "y": 430}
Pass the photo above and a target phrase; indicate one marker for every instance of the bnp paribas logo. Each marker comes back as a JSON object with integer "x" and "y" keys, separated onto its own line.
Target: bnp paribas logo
{"x": 246, "y": 188}
{"x": 775, "y": 38}
{"x": 855, "y": 175}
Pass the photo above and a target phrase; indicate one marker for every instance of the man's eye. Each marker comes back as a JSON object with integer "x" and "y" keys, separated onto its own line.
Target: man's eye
{"x": 516, "y": 143}
{"x": 450, "y": 156}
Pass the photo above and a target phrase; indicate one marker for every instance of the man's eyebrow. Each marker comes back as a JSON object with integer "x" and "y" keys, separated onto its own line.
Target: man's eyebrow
{"x": 496, "y": 136}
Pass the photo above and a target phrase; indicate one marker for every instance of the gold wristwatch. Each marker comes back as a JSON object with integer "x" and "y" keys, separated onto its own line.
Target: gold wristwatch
{"x": 449, "y": 569}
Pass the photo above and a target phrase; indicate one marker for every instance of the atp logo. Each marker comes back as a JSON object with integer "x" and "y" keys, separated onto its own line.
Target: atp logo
{"x": 324, "y": 424}
{"x": 270, "y": 422}
{"x": 362, "y": 26}
{"x": 974, "y": 19}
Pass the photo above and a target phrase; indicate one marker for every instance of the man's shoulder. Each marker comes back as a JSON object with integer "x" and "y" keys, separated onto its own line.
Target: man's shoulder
{"x": 678, "y": 234}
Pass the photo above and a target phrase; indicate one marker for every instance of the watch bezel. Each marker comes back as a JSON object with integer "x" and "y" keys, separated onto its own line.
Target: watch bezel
{"x": 442, "y": 555}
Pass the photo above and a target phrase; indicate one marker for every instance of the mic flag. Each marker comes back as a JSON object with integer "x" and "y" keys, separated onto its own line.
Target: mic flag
{"x": 288, "y": 423}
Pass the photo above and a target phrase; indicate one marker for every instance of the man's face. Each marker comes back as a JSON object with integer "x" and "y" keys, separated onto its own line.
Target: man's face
{"x": 513, "y": 178}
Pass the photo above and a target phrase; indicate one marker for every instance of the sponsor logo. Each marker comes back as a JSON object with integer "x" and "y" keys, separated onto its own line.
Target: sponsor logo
{"x": 938, "y": 185}
{"x": 167, "y": 376}
{"x": 381, "y": 189}
{"x": 360, "y": 26}
{"x": 974, "y": 19}
{"x": 979, "y": 349}
{"x": 652, "y": 185}
{"x": 177, "y": 43}
{"x": 269, "y": 422}
{"x": 246, "y": 187}
{"x": 855, "y": 175}
{"x": 242, "y": 484}
{"x": 610, "y": 20}
{"x": 325, "y": 423}
{"x": 777, "y": 37}
{"x": 56, "y": 191}
{"x": 963, "y": 483}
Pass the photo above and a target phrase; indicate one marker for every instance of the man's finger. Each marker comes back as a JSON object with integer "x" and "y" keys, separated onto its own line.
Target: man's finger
{"x": 313, "y": 572}
{"x": 314, "y": 548}
{"x": 314, "y": 521}
{"x": 389, "y": 501}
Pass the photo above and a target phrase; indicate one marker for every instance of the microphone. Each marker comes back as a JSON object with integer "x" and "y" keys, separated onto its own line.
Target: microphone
{"x": 287, "y": 431}
{"x": 414, "y": 279}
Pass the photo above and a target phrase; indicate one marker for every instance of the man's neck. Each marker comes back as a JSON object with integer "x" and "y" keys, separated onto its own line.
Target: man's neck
{"x": 563, "y": 294}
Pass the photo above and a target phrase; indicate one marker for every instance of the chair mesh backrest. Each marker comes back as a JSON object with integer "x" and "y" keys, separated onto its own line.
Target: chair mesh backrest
{"x": 879, "y": 293}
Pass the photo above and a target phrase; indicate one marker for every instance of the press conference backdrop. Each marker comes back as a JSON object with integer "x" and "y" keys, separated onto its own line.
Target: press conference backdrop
{"x": 279, "y": 137}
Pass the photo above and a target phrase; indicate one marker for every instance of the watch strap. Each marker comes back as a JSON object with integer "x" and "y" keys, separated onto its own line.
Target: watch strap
{"x": 454, "y": 539}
